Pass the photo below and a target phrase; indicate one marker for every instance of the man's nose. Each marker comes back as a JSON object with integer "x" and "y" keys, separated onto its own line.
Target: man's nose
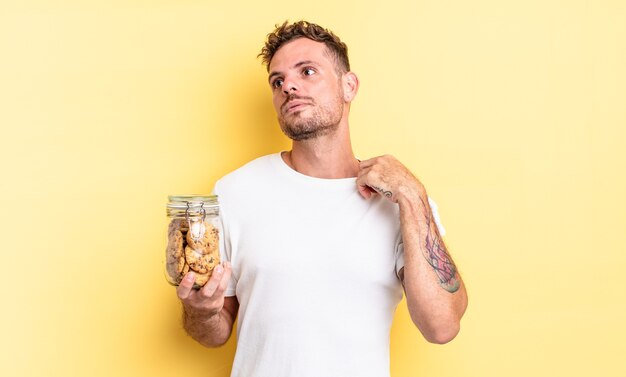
{"x": 289, "y": 85}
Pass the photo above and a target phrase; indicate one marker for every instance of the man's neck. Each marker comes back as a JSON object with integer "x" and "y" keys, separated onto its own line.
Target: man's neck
{"x": 327, "y": 157}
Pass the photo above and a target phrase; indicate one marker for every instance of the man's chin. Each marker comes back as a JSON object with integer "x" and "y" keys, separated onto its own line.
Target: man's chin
{"x": 302, "y": 135}
{"x": 299, "y": 135}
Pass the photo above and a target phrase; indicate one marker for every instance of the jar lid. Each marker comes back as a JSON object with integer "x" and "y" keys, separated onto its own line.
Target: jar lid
{"x": 192, "y": 204}
{"x": 180, "y": 201}
{"x": 207, "y": 199}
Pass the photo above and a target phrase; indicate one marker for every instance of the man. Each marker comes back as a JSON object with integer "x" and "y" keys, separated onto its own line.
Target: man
{"x": 319, "y": 244}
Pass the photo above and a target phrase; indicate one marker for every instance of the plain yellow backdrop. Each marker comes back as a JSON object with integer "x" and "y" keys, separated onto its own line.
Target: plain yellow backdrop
{"x": 512, "y": 113}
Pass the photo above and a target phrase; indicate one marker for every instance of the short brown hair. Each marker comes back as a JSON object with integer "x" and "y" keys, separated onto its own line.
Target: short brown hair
{"x": 302, "y": 29}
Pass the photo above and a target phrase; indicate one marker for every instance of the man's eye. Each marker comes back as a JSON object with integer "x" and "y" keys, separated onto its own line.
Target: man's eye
{"x": 308, "y": 72}
{"x": 277, "y": 83}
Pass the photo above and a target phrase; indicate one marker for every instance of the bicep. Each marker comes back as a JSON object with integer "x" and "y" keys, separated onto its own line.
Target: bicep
{"x": 231, "y": 307}
{"x": 401, "y": 276}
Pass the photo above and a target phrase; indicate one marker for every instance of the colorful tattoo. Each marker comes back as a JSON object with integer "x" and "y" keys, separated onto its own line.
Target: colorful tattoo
{"x": 437, "y": 256}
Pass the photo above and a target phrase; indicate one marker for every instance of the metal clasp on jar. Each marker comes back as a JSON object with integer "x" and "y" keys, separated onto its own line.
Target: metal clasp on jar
{"x": 197, "y": 226}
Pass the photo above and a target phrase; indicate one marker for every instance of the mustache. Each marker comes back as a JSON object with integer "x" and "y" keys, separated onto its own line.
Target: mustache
{"x": 293, "y": 97}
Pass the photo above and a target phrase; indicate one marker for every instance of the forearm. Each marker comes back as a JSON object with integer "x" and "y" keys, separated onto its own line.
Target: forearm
{"x": 210, "y": 331}
{"x": 435, "y": 292}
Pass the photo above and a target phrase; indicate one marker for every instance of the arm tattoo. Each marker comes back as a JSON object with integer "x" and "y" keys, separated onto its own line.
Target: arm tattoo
{"x": 383, "y": 192}
{"x": 437, "y": 256}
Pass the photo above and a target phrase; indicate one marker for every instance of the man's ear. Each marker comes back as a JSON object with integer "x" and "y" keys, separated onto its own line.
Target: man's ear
{"x": 350, "y": 84}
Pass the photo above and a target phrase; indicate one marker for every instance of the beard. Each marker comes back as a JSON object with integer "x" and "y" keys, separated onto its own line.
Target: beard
{"x": 322, "y": 119}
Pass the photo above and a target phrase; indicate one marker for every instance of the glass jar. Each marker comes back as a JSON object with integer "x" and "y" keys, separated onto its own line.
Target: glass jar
{"x": 193, "y": 237}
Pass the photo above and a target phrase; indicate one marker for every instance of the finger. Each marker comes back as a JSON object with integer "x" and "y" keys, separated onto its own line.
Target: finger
{"x": 363, "y": 189}
{"x": 370, "y": 175}
{"x": 365, "y": 192}
{"x": 209, "y": 288}
{"x": 225, "y": 279}
{"x": 367, "y": 163}
{"x": 363, "y": 176}
{"x": 363, "y": 171}
{"x": 186, "y": 285}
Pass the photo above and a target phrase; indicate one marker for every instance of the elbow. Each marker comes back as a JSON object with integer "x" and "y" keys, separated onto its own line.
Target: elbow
{"x": 444, "y": 328}
{"x": 440, "y": 324}
{"x": 214, "y": 344}
{"x": 439, "y": 329}
{"x": 442, "y": 334}
{"x": 209, "y": 342}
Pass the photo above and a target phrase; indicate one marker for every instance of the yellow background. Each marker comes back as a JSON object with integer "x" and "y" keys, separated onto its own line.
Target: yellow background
{"x": 512, "y": 113}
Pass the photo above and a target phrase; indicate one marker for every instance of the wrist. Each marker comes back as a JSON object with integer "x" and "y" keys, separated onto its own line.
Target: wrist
{"x": 199, "y": 315}
{"x": 411, "y": 195}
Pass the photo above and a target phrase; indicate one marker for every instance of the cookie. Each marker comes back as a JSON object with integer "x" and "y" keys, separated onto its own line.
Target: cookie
{"x": 175, "y": 268}
{"x": 203, "y": 235}
{"x": 175, "y": 244}
{"x": 214, "y": 238}
{"x": 174, "y": 253}
{"x": 200, "y": 261}
{"x": 172, "y": 271}
{"x": 178, "y": 224}
{"x": 201, "y": 279}
{"x": 183, "y": 268}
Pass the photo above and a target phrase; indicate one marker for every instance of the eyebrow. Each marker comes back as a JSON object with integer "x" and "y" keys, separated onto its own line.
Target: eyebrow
{"x": 298, "y": 64}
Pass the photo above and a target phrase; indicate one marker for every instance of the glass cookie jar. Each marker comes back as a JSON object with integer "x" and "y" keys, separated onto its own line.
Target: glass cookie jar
{"x": 193, "y": 237}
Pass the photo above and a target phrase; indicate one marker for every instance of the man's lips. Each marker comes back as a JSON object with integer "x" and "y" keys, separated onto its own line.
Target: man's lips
{"x": 294, "y": 105}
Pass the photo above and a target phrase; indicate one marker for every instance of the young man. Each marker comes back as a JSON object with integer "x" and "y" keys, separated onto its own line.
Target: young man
{"x": 319, "y": 244}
